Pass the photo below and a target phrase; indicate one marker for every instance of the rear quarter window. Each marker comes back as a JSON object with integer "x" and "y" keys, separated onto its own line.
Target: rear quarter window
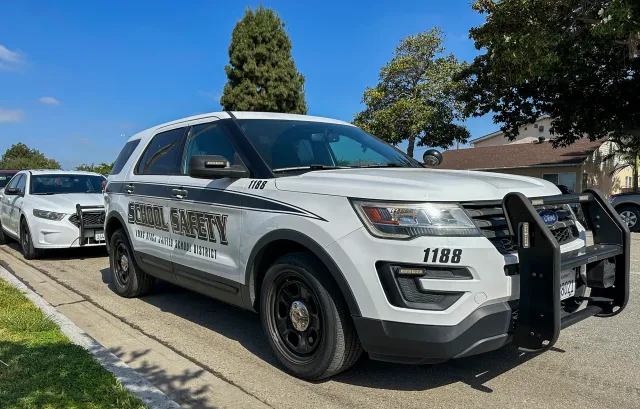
{"x": 124, "y": 156}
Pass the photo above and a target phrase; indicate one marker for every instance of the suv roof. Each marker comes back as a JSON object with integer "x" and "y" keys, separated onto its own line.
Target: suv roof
{"x": 6, "y": 171}
{"x": 239, "y": 115}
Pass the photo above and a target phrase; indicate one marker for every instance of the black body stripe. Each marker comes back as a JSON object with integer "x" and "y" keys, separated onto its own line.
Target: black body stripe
{"x": 223, "y": 198}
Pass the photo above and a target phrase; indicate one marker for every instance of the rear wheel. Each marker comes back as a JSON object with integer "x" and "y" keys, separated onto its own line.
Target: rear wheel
{"x": 26, "y": 241}
{"x": 306, "y": 320}
{"x": 631, "y": 216}
{"x": 127, "y": 278}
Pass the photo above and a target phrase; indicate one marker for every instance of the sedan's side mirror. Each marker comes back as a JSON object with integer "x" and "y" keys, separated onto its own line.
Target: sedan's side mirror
{"x": 12, "y": 191}
{"x": 215, "y": 167}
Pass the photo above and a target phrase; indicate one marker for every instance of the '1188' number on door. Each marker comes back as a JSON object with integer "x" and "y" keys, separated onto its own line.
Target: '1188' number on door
{"x": 442, "y": 255}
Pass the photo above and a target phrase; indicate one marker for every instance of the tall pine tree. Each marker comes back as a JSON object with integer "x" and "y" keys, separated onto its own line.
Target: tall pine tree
{"x": 261, "y": 72}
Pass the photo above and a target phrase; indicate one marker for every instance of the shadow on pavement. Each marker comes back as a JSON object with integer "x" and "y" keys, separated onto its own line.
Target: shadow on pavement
{"x": 245, "y": 328}
{"x": 75, "y": 253}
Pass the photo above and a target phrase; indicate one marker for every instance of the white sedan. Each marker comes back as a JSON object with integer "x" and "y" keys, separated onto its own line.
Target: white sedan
{"x": 51, "y": 209}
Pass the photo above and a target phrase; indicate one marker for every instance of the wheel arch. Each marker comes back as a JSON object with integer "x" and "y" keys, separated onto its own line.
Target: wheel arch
{"x": 113, "y": 222}
{"x": 279, "y": 242}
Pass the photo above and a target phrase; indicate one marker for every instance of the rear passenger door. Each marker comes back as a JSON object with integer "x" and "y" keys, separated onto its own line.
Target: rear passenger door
{"x": 206, "y": 217}
{"x": 146, "y": 196}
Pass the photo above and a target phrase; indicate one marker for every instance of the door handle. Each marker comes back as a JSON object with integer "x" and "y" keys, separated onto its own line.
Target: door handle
{"x": 179, "y": 193}
{"x": 129, "y": 188}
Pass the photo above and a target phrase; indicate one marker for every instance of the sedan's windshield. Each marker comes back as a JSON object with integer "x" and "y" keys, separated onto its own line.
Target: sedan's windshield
{"x": 299, "y": 145}
{"x": 60, "y": 184}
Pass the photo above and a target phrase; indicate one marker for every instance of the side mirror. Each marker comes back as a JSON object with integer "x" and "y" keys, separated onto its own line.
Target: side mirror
{"x": 215, "y": 167}
{"x": 12, "y": 191}
{"x": 432, "y": 157}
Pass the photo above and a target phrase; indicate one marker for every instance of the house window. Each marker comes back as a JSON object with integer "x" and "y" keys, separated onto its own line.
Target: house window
{"x": 567, "y": 179}
{"x": 628, "y": 181}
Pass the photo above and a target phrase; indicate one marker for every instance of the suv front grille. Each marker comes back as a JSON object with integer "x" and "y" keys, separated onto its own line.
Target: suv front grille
{"x": 489, "y": 217}
{"x": 90, "y": 219}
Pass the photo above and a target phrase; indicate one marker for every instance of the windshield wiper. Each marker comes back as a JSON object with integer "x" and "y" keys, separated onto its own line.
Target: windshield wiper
{"x": 382, "y": 165}
{"x": 310, "y": 167}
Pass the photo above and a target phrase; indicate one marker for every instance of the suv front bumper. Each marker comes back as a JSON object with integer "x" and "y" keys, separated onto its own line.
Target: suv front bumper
{"x": 540, "y": 314}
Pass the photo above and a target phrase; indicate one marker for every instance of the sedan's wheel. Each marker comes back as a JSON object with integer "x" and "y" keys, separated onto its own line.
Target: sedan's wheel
{"x": 128, "y": 279}
{"x": 306, "y": 320}
{"x": 26, "y": 240}
{"x": 631, "y": 216}
{"x": 4, "y": 239}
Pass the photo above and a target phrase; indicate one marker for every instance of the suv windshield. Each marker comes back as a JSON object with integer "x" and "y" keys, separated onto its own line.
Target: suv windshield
{"x": 5, "y": 178}
{"x": 307, "y": 145}
{"x": 60, "y": 184}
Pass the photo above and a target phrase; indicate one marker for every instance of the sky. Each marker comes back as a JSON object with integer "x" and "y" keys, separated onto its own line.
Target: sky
{"x": 78, "y": 78}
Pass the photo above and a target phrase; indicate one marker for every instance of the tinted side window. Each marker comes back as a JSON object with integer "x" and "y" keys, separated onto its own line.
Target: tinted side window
{"x": 22, "y": 183}
{"x": 14, "y": 181}
{"x": 124, "y": 156}
{"x": 209, "y": 139}
{"x": 163, "y": 155}
{"x": 5, "y": 178}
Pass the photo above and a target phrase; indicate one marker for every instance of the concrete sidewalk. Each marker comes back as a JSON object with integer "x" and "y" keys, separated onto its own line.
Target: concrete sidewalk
{"x": 186, "y": 383}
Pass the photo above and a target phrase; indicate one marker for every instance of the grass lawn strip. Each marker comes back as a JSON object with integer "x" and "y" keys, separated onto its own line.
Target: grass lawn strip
{"x": 42, "y": 369}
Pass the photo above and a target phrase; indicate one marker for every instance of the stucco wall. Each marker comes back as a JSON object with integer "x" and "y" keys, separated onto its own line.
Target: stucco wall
{"x": 530, "y": 133}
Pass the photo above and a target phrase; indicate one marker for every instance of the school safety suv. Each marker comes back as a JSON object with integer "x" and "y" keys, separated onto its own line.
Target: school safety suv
{"x": 343, "y": 243}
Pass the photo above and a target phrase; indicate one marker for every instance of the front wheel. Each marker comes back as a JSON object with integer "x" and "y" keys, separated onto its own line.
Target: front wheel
{"x": 631, "y": 216}
{"x": 127, "y": 278}
{"x": 306, "y": 320}
{"x": 26, "y": 241}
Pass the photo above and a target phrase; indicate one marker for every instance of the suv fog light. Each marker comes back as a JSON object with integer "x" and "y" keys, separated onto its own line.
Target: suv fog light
{"x": 406, "y": 271}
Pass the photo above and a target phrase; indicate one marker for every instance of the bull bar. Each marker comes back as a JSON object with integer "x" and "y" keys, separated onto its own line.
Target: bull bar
{"x": 540, "y": 315}
{"x": 80, "y": 214}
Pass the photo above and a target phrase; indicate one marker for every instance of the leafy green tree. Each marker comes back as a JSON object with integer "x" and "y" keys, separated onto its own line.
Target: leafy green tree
{"x": 102, "y": 168}
{"x": 416, "y": 99}
{"x": 573, "y": 60}
{"x": 262, "y": 75}
{"x": 20, "y": 157}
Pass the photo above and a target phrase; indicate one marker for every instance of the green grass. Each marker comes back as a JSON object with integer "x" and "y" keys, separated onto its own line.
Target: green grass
{"x": 42, "y": 369}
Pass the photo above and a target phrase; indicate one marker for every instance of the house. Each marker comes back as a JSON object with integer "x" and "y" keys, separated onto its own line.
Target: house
{"x": 582, "y": 165}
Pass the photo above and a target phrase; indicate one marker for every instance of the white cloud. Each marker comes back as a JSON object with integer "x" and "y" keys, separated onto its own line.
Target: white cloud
{"x": 214, "y": 95}
{"x": 11, "y": 59}
{"x": 11, "y": 115}
{"x": 49, "y": 101}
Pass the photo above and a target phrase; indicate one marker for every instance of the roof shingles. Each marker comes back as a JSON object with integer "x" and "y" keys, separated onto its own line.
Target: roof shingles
{"x": 519, "y": 155}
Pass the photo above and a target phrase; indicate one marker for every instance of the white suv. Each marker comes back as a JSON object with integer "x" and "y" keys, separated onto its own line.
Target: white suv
{"x": 342, "y": 243}
{"x": 52, "y": 209}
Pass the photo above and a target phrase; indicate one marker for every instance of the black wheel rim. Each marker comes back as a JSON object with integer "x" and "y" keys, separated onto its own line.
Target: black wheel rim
{"x": 26, "y": 238}
{"x": 121, "y": 264}
{"x": 295, "y": 318}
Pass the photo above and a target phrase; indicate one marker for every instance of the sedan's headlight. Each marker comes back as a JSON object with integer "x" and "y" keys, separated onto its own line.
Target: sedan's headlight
{"x": 44, "y": 214}
{"x": 409, "y": 220}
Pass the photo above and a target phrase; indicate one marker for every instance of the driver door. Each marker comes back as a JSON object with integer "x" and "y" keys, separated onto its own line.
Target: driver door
{"x": 12, "y": 205}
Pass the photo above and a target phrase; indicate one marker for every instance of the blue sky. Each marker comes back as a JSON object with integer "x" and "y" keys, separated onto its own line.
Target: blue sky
{"x": 78, "y": 77}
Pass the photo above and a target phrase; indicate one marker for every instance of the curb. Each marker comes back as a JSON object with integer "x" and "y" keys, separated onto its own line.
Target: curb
{"x": 129, "y": 378}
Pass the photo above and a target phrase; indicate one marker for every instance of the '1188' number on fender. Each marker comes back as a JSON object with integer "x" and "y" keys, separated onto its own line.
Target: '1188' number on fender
{"x": 445, "y": 255}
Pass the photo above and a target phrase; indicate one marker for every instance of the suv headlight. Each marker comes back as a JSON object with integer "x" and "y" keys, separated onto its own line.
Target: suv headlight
{"x": 44, "y": 214}
{"x": 409, "y": 220}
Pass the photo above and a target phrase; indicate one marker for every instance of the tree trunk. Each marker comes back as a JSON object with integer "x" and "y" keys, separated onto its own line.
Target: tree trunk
{"x": 635, "y": 175}
{"x": 412, "y": 142}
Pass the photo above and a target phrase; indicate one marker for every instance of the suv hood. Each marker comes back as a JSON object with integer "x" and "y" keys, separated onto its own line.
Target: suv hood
{"x": 415, "y": 184}
{"x": 65, "y": 203}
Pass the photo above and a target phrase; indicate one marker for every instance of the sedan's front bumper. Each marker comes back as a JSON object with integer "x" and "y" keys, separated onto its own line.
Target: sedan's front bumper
{"x": 49, "y": 234}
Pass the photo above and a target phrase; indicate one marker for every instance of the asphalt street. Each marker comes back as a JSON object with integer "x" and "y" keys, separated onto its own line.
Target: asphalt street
{"x": 595, "y": 364}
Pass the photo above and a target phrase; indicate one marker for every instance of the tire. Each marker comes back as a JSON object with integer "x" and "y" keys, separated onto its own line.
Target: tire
{"x": 26, "y": 242}
{"x": 631, "y": 215}
{"x": 4, "y": 239}
{"x": 127, "y": 277}
{"x": 322, "y": 344}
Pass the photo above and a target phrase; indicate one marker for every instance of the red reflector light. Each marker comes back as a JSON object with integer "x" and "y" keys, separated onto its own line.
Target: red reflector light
{"x": 104, "y": 185}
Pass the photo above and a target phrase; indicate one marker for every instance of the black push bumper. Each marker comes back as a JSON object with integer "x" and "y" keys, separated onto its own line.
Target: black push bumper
{"x": 88, "y": 224}
{"x": 540, "y": 312}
